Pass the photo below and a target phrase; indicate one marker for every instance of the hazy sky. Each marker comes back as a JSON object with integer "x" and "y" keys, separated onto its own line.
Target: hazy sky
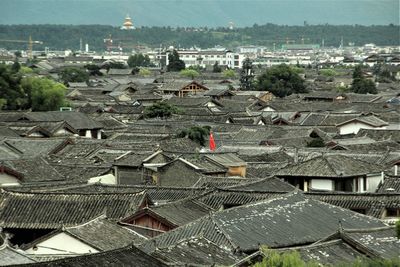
{"x": 200, "y": 13}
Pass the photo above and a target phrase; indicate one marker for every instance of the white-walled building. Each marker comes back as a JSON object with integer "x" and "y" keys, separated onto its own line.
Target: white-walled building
{"x": 208, "y": 57}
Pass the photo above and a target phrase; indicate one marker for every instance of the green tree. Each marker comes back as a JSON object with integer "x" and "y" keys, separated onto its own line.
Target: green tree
{"x": 197, "y": 68}
{"x": 357, "y": 73}
{"x": 281, "y": 80}
{"x": 398, "y": 229}
{"x": 175, "y": 63}
{"x": 144, "y": 72}
{"x": 18, "y": 54}
{"x": 93, "y": 69}
{"x": 247, "y": 75}
{"x": 288, "y": 259}
{"x": 273, "y": 258}
{"x": 44, "y": 94}
{"x": 360, "y": 84}
{"x": 196, "y": 133}
{"x": 189, "y": 73}
{"x": 161, "y": 110}
{"x": 16, "y": 66}
{"x": 139, "y": 60}
{"x": 216, "y": 67}
{"x": 364, "y": 86}
{"x": 12, "y": 95}
{"x": 328, "y": 72}
{"x": 25, "y": 70}
{"x": 2, "y": 102}
{"x": 74, "y": 74}
{"x": 229, "y": 74}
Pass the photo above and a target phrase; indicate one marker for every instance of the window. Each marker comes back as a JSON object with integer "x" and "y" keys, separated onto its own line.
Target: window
{"x": 344, "y": 185}
{"x": 392, "y": 212}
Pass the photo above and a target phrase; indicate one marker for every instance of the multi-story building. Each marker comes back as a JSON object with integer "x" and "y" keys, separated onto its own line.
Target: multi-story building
{"x": 207, "y": 58}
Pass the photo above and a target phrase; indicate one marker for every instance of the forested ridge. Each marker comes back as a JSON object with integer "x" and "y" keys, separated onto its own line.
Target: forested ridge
{"x": 67, "y": 36}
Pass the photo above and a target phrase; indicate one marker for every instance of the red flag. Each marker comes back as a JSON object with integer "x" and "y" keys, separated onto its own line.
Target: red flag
{"x": 212, "y": 142}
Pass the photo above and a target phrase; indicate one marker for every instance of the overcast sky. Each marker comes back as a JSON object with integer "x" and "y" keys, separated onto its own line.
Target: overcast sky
{"x": 200, "y": 13}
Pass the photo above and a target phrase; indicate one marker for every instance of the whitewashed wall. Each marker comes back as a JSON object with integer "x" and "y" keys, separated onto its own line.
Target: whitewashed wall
{"x": 61, "y": 243}
{"x": 354, "y": 127}
{"x": 322, "y": 184}
{"x": 8, "y": 180}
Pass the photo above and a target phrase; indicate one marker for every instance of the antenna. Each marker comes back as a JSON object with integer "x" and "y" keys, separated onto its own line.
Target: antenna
{"x": 80, "y": 44}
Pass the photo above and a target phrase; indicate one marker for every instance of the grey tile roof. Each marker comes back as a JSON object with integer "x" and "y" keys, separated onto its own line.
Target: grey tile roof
{"x": 269, "y": 184}
{"x": 104, "y": 235}
{"x": 181, "y": 212}
{"x": 220, "y": 182}
{"x": 335, "y": 166}
{"x": 10, "y": 256}
{"x": 226, "y": 159}
{"x": 156, "y": 193}
{"x": 29, "y": 148}
{"x": 77, "y": 120}
{"x": 369, "y": 120}
{"x": 381, "y": 242}
{"x": 53, "y": 210}
{"x": 127, "y": 256}
{"x": 195, "y": 251}
{"x": 390, "y": 184}
{"x": 328, "y": 253}
{"x": 7, "y": 132}
{"x": 286, "y": 220}
{"x": 380, "y": 134}
{"x": 33, "y": 170}
{"x": 189, "y": 101}
{"x": 226, "y": 197}
{"x": 373, "y": 204}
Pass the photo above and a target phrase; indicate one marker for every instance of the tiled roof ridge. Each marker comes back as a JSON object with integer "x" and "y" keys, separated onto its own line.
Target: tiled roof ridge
{"x": 58, "y": 193}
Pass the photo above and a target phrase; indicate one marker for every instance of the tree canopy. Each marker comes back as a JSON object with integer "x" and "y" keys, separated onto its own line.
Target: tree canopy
{"x": 247, "y": 75}
{"x": 216, "y": 67}
{"x": 196, "y": 133}
{"x": 161, "y": 110}
{"x": 175, "y": 63}
{"x": 139, "y": 60}
{"x": 229, "y": 73}
{"x": 328, "y": 72}
{"x": 12, "y": 96}
{"x": 74, "y": 74}
{"x": 273, "y": 258}
{"x": 144, "y": 72}
{"x": 44, "y": 94}
{"x": 192, "y": 74}
{"x": 362, "y": 85}
{"x": 281, "y": 80}
{"x": 38, "y": 94}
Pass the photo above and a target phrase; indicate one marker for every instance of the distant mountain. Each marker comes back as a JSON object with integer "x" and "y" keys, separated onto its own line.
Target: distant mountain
{"x": 209, "y": 13}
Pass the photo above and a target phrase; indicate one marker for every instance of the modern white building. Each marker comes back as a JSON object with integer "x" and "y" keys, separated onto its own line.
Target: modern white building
{"x": 205, "y": 58}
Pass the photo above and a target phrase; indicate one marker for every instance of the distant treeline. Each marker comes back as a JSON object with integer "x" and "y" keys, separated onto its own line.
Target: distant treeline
{"x": 60, "y": 37}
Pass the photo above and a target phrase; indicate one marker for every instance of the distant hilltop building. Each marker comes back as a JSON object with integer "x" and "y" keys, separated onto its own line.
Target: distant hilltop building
{"x": 128, "y": 25}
